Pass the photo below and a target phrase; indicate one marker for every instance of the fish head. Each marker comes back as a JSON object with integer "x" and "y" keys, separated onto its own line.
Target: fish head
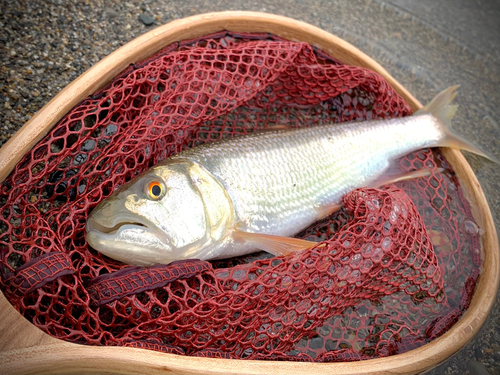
{"x": 175, "y": 210}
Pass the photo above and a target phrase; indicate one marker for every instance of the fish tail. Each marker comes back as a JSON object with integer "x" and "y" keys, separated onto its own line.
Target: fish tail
{"x": 442, "y": 109}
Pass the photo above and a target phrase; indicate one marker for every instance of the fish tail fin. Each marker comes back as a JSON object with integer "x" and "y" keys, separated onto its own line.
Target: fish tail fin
{"x": 442, "y": 109}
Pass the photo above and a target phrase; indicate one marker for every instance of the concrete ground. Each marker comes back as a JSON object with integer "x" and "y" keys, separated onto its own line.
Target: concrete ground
{"x": 427, "y": 45}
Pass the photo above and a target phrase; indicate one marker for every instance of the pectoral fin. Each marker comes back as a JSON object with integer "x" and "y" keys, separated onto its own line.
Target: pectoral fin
{"x": 327, "y": 210}
{"x": 276, "y": 245}
{"x": 391, "y": 176}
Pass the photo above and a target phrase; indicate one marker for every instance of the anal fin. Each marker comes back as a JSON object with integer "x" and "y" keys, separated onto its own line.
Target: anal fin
{"x": 276, "y": 245}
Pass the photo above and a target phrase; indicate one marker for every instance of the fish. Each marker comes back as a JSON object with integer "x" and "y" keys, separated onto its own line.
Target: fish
{"x": 254, "y": 192}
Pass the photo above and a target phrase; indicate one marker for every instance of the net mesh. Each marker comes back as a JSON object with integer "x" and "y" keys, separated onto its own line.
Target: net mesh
{"x": 375, "y": 285}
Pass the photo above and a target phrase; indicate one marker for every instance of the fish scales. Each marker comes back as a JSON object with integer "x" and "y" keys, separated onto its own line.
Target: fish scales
{"x": 278, "y": 179}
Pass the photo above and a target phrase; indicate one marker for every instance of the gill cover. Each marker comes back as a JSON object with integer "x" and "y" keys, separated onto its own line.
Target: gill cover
{"x": 176, "y": 210}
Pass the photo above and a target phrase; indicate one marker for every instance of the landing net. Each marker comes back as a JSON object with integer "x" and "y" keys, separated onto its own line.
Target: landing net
{"x": 393, "y": 270}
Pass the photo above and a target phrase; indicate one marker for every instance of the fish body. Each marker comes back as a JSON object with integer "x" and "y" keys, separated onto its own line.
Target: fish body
{"x": 228, "y": 198}
{"x": 279, "y": 181}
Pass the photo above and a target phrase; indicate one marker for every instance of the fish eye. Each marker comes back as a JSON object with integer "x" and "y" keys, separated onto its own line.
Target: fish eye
{"x": 155, "y": 190}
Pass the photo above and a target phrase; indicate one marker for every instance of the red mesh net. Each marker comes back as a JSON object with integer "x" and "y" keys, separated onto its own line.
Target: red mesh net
{"x": 375, "y": 284}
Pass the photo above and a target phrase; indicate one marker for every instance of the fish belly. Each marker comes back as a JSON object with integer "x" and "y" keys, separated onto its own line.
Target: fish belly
{"x": 279, "y": 180}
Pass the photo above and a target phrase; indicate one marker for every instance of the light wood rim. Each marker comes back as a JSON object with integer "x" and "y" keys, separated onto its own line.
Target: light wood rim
{"x": 25, "y": 349}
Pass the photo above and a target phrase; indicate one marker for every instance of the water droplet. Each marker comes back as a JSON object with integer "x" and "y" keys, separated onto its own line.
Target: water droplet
{"x": 470, "y": 227}
{"x": 393, "y": 217}
{"x": 110, "y": 129}
{"x": 286, "y": 281}
{"x": 367, "y": 250}
{"x": 377, "y": 254}
{"x": 353, "y": 276}
{"x": 88, "y": 145}
{"x": 79, "y": 159}
{"x": 222, "y": 274}
{"x": 404, "y": 212}
{"x": 331, "y": 270}
{"x": 431, "y": 270}
{"x": 386, "y": 243}
{"x": 366, "y": 265}
{"x": 356, "y": 260}
{"x": 387, "y": 227}
{"x": 344, "y": 271}
{"x": 239, "y": 274}
{"x": 81, "y": 188}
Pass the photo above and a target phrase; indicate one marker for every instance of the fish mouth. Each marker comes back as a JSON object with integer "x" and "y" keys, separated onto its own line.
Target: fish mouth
{"x": 93, "y": 224}
{"x": 127, "y": 240}
{"x": 113, "y": 230}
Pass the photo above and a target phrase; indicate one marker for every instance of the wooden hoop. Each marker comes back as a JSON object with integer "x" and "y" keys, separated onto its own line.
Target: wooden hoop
{"x": 25, "y": 349}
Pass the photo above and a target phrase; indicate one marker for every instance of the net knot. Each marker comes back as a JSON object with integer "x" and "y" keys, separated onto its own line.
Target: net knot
{"x": 360, "y": 200}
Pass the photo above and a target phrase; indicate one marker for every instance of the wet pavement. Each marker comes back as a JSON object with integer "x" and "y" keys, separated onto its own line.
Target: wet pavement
{"x": 426, "y": 45}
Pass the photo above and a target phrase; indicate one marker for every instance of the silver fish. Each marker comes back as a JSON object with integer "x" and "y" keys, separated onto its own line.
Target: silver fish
{"x": 229, "y": 198}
